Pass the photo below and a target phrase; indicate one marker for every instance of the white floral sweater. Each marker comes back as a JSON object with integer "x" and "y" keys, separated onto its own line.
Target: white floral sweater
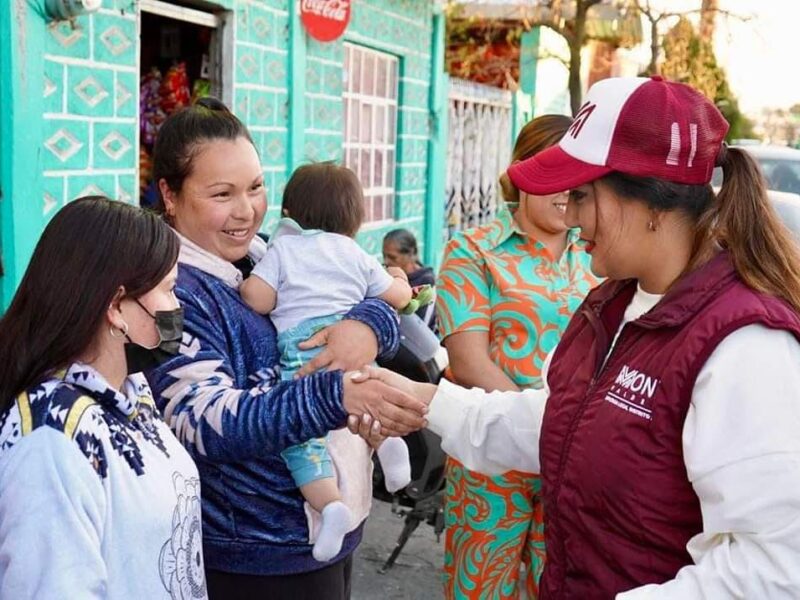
{"x": 97, "y": 497}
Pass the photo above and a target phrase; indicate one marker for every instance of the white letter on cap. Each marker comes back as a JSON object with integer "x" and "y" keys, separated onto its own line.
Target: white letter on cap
{"x": 674, "y": 145}
{"x": 693, "y": 139}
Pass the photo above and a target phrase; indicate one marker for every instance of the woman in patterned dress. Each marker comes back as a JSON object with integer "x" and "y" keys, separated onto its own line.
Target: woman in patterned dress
{"x": 506, "y": 291}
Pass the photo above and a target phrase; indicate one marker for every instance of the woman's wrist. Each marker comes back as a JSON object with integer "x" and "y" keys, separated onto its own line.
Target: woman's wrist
{"x": 382, "y": 320}
{"x": 424, "y": 392}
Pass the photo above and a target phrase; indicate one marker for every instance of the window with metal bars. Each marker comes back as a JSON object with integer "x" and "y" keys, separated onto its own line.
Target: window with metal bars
{"x": 370, "y": 126}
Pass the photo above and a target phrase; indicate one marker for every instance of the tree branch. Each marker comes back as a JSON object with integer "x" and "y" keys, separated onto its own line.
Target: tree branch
{"x": 647, "y": 11}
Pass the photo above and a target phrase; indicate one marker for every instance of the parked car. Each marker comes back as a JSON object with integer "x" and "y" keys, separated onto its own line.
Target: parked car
{"x": 788, "y": 207}
{"x": 780, "y": 165}
{"x": 781, "y": 168}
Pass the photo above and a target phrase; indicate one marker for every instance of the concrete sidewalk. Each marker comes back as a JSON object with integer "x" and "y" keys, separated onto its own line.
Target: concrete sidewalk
{"x": 417, "y": 573}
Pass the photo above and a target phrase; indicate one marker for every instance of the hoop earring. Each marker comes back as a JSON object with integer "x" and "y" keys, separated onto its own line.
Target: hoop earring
{"x": 122, "y": 332}
{"x": 651, "y": 226}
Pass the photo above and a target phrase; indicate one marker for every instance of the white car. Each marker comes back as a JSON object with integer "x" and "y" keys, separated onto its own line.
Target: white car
{"x": 788, "y": 208}
{"x": 780, "y": 165}
{"x": 781, "y": 168}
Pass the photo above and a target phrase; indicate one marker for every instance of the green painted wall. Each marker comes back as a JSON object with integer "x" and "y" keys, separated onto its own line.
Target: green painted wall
{"x": 22, "y": 38}
{"x": 402, "y": 28}
{"x": 69, "y": 122}
{"x": 90, "y": 92}
{"x": 523, "y": 99}
{"x": 435, "y": 231}
{"x": 262, "y": 79}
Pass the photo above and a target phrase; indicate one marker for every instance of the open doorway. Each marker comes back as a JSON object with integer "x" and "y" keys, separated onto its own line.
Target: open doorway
{"x": 182, "y": 54}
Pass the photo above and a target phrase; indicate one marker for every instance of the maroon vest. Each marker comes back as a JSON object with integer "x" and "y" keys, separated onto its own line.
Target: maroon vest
{"x": 619, "y": 507}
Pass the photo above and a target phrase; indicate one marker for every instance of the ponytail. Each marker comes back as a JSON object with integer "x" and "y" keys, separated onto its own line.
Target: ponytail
{"x": 742, "y": 220}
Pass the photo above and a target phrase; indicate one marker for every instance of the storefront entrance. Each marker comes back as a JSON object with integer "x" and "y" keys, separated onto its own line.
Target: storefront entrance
{"x": 182, "y": 50}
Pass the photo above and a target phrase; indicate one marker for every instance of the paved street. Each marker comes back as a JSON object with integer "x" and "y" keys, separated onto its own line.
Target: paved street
{"x": 415, "y": 575}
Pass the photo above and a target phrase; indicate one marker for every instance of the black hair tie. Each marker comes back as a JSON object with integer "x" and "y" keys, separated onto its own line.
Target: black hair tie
{"x": 212, "y": 104}
{"x": 722, "y": 156}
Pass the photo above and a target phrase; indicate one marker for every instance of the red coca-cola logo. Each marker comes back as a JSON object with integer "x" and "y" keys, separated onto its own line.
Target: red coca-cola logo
{"x": 325, "y": 20}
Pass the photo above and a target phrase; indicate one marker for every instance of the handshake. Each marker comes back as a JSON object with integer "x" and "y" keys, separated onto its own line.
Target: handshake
{"x": 380, "y": 403}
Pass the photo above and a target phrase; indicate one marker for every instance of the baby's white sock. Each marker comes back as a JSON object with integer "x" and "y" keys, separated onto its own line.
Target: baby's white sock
{"x": 393, "y": 454}
{"x": 335, "y": 524}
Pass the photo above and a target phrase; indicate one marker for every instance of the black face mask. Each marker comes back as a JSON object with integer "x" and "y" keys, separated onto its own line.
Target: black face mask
{"x": 169, "y": 324}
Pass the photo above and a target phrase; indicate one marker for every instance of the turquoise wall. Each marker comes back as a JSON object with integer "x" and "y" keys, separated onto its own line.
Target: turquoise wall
{"x": 262, "y": 87}
{"x": 68, "y": 125}
{"x": 403, "y": 28}
{"x": 21, "y": 127}
{"x": 90, "y": 104}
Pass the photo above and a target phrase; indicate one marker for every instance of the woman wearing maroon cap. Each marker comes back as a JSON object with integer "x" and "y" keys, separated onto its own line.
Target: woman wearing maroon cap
{"x": 667, "y": 434}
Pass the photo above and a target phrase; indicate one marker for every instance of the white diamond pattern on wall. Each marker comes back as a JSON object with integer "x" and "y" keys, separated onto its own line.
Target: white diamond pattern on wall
{"x": 275, "y": 149}
{"x": 115, "y": 145}
{"x": 115, "y": 40}
{"x": 262, "y": 109}
{"x": 261, "y": 27}
{"x": 123, "y": 95}
{"x": 90, "y": 91}
{"x": 276, "y": 70}
{"x": 63, "y": 145}
{"x": 49, "y": 87}
{"x": 248, "y": 65}
{"x": 49, "y": 204}
{"x": 90, "y": 190}
{"x": 63, "y": 38}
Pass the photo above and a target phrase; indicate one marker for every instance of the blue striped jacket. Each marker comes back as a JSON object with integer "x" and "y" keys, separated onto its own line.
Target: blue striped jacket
{"x": 223, "y": 398}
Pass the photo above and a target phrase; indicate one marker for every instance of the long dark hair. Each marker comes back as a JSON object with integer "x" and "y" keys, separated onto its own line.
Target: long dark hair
{"x": 740, "y": 218}
{"x": 181, "y": 135}
{"x": 90, "y": 248}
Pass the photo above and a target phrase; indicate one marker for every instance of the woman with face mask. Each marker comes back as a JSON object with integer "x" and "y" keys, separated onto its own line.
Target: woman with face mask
{"x": 667, "y": 432}
{"x": 97, "y": 497}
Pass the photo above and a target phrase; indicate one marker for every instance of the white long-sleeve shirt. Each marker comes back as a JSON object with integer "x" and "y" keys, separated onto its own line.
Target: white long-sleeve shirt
{"x": 741, "y": 445}
{"x": 98, "y": 499}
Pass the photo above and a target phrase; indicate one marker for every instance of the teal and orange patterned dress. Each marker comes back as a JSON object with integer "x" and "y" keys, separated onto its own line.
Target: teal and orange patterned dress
{"x": 496, "y": 278}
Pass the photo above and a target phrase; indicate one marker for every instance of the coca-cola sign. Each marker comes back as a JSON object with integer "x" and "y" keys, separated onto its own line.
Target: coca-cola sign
{"x": 325, "y": 20}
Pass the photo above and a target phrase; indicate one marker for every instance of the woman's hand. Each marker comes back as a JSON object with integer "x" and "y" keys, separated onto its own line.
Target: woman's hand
{"x": 348, "y": 345}
{"x": 371, "y": 400}
{"x": 371, "y": 431}
{"x": 368, "y": 425}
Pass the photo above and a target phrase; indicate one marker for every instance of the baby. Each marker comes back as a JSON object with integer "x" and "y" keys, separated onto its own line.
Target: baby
{"x": 311, "y": 276}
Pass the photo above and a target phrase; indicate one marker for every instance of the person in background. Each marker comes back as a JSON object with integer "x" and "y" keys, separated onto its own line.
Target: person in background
{"x": 312, "y": 275}
{"x": 506, "y": 292}
{"x": 97, "y": 497}
{"x": 223, "y": 395}
{"x": 400, "y": 250}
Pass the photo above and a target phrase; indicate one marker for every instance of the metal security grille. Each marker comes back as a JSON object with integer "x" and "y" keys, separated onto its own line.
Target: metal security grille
{"x": 478, "y": 151}
{"x": 370, "y": 126}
